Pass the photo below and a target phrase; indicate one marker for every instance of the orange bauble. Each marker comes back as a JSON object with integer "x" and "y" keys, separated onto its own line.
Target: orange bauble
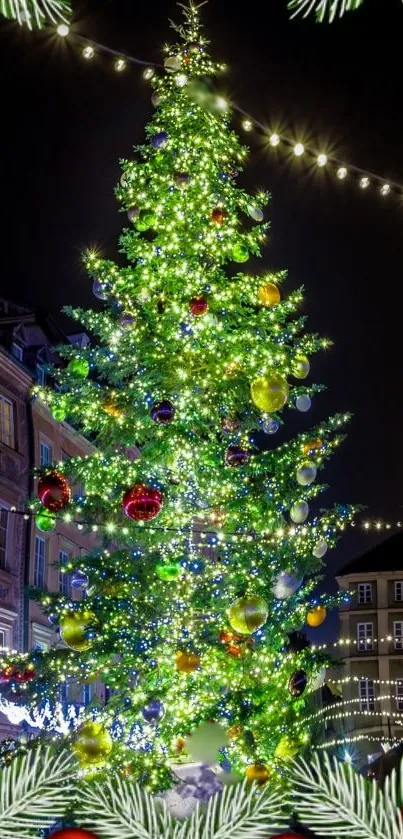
{"x": 269, "y": 294}
{"x": 312, "y": 445}
{"x": 235, "y": 731}
{"x": 187, "y": 662}
{"x": 257, "y": 773}
{"x": 316, "y": 616}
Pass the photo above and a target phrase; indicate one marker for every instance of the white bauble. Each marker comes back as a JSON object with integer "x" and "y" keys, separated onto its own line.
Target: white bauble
{"x": 306, "y": 474}
{"x": 172, "y": 63}
{"x": 299, "y": 512}
{"x": 320, "y": 549}
{"x": 285, "y": 585}
{"x": 303, "y": 403}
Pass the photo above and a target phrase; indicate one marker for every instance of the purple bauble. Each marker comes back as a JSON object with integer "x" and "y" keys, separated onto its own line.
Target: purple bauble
{"x": 236, "y": 456}
{"x": 163, "y": 412}
{"x": 158, "y": 141}
{"x": 153, "y": 711}
{"x": 100, "y": 290}
{"x": 126, "y": 321}
{"x": 133, "y": 213}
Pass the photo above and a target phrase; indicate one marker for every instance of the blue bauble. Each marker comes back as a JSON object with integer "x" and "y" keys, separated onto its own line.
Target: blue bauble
{"x": 158, "y": 141}
{"x": 303, "y": 403}
{"x": 53, "y": 619}
{"x": 153, "y": 711}
{"x": 79, "y": 581}
{"x": 126, "y": 322}
{"x": 100, "y": 290}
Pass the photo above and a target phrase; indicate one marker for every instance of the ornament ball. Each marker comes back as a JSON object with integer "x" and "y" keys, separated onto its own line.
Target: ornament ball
{"x": 92, "y": 743}
{"x": 270, "y": 393}
{"x": 247, "y": 614}
{"x": 299, "y": 512}
{"x": 303, "y": 403}
{"x": 73, "y": 833}
{"x": 198, "y": 306}
{"x": 142, "y": 503}
{"x": 240, "y": 253}
{"x": 158, "y": 141}
{"x": 316, "y": 616}
{"x": 236, "y": 456}
{"x": 306, "y": 474}
{"x": 320, "y": 549}
{"x": 54, "y": 491}
{"x": 269, "y": 294}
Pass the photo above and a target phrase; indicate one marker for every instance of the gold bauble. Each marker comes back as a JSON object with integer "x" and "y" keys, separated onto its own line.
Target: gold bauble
{"x": 112, "y": 410}
{"x": 235, "y": 731}
{"x": 187, "y": 662}
{"x": 300, "y": 367}
{"x": 312, "y": 445}
{"x": 92, "y": 744}
{"x": 287, "y": 748}
{"x": 257, "y": 773}
{"x": 74, "y": 630}
{"x": 316, "y": 616}
{"x": 248, "y": 614}
{"x": 269, "y": 294}
{"x": 270, "y": 393}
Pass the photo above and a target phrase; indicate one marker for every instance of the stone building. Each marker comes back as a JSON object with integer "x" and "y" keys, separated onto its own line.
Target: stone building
{"x": 373, "y": 623}
{"x": 29, "y": 437}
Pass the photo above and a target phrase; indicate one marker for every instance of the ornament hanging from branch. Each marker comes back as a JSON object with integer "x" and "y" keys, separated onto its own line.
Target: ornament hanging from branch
{"x": 35, "y": 13}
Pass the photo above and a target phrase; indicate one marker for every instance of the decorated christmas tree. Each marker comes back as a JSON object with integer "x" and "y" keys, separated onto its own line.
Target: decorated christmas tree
{"x": 208, "y": 555}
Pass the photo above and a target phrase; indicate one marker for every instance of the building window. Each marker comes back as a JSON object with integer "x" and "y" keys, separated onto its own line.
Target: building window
{"x": 2, "y": 639}
{"x": 64, "y": 692}
{"x": 40, "y": 562}
{"x": 3, "y": 537}
{"x": 17, "y": 351}
{"x": 45, "y": 454}
{"x": 365, "y": 593}
{"x": 366, "y": 695}
{"x": 87, "y": 693}
{"x": 399, "y": 590}
{"x": 398, "y": 634}
{"x": 399, "y": 696}
{"x": 65, "y": 456}
{"x": 7, "y": 422}
{"x": 40, "y": 375}
{"x": 365, "y": 636}
{"x": 64, "y": 579}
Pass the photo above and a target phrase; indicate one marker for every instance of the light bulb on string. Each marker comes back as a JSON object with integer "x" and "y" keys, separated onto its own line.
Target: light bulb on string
{"x": 274, "y": 139}
{"x": 342, "y": 173}
{"x": 385, "y": 189}
{"x": 63, "y": 30}
{"x": 299, "y": 149}
{"x": 322, "y": 159}
{"x": 120, "y": 65}
{"x": 364, "y": 182}
{"x": 88, "y": 52}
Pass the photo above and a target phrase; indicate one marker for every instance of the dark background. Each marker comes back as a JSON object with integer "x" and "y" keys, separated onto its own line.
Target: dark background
{"x": 66, "y": 122}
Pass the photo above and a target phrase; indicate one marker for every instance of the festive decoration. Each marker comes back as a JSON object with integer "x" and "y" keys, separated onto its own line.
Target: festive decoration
{"x": 133, "y": 213}
{"x": 316, "y": 616}
{"x": 182, "y": 180}
{"x": 320, "y": 549}
{"x": 145, "y": 220}
{"x": 205, "y": 742}
{"x": 163, "y": 412}
{"x": 73, "y": 833}
{"x": 269, "y": 294}
{"x": 287, "y": 748}
{"x": 270, "y": 425}
{"x": 45, "y": 522}
{"x": 257, "y": 773}
{"x": 92, "y": 744}
{"x": 153, "y": 711}
{"x": 168, "y": 570}
{"x": 236, "y": 456}
{"x": 229, "y": 425}
{"x": 54, "y": 491}
{"x": 306, "y": 474}
{"x": 75, "y": 630}
{"x": 300, "y": 367}
{"x": 100, "y": 290}
{"x": 256, "y": 213}
{"x": 79, "y": 581}
{"x": 198, "y": 306}
{"x": 187, "y": 662}
{"x": 270, "y": 393}
{"x": 142, "y": 503}
{"x": 218, "y": 215}
{"x": 298, "y": 683}
{"x": 285, "y": 585}
{"x": 248, "y": 614}
{"x": 159, "y": 140}
{"x": 299, "y": 512}
{"x": 59, "y": 412}
{"x": 79, "y": 367}
{"x": 303, "y": 403}
{"x": 240, "y": 253}
{"x": 312, "y": 446}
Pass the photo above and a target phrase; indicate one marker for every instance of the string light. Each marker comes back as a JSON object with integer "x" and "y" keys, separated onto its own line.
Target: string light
{"x": 364, "y": 182}
{"x": 120, "y": 65}
{"x": 274, "y": 140}
{"x": 299, "y": 149}
{"x": 63, "y": 30}
{"x": 247, "y": 125}
{"x": 88, "y": 52}
{"x": 322, "y": 159}
{"x": 342, "y": 173}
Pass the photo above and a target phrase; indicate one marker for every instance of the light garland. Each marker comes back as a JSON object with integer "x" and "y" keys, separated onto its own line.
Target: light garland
{"x": 61, "y": 719}
{"x": 361, "y": 178}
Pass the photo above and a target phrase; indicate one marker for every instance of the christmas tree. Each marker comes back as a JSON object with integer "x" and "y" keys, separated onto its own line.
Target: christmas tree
{"x": 207, "y": 557}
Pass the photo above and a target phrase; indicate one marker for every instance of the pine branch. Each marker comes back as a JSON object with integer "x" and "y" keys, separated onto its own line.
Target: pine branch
{"x": 35, "y": 790}
{"x": 123, "y": 810}
{"x": 337, "y": 801}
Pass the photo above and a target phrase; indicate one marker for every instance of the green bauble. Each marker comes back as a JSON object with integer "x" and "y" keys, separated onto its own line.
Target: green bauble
{"x": 45, "y": 521}
{"x": 145, "y": 220}
{"x": 92, "y": 744}
{"x": 74, "y": 628}
{"x": 248, "y": 614}
{"x": 240, "y": 253}
{"x": 79, "y": 367}
{"x": 270, "y": 393}
{"x": 168, "y": 570}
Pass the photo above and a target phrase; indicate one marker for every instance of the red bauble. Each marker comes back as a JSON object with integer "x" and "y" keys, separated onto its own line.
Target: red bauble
{"x": 236, "y": 456}
{"x": 26, "y": 675}
{"x": 218, "y": 215}
{"x": 287, "y": 836}
{"x": 73, "y": 833}
{"x": 198, "y": 306}
{"x": 54, "y": 491}
{"x": 142, "y": 503}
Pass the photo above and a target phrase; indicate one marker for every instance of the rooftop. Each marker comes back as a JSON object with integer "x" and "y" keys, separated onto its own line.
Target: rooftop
{"x": 387, "y": 556}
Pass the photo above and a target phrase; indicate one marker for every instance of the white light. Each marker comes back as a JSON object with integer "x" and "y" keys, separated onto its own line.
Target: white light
{"x": 88, "y": 52}
{"x": 247, "y": 125}
{"x": 322, "y": 159}
{"x": 342, "y": 173}
{"x": 274, "y": 139}
{"x": 385, "y": 189}
{"x": 148, "y": 73}
{"x": 181, "y": 80}
{"x": 120, "y": 65}
{"x": 221, "y": 103}
{"x": 299, "y": 149}
{"x": 63, "y": 30}
{"x": 364, "y": 183}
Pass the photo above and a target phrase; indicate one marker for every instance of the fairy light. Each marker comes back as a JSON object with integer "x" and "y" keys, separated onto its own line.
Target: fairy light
{"x": 364, "y": 182}
{"x": 385, "y": 189}
{"x": 247, "y": 125}
{"x": 274, "y": 140}
{"x": 342, "y": 173}
{"x": 88, "y": 52}
{"x": 322, "y": 160}
{"x": 119, "y": 65}
{"x": 63, "y": 30}
{"x": 299, "y": 149}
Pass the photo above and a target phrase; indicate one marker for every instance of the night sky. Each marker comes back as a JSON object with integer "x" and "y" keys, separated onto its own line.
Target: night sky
{"x": 66, "y": 122}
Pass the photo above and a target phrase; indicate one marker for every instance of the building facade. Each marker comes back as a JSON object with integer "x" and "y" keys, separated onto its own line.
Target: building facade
{"x": 30, "y": 437}
{"x": 372, "y": 622}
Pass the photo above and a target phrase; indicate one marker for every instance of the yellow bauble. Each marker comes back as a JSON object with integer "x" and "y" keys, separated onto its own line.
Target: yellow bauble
{"x": 235, "y": 731}
{"x": 316, "y": 616}
{"x": 269, "y": 294}
{"x": 248, "y": 614}
{"x": 257, "y": 773}
{"x": 74, "y": 629}
{"x": 112, "y": 410}
{"x": 92, "y": 744}
{"x": 312, "y": 445}
{"x": 187, "y": 662}
{"x": 300, "y": 367}
{"x": 270, "y": 393}
{"x": 287, "y": 748}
